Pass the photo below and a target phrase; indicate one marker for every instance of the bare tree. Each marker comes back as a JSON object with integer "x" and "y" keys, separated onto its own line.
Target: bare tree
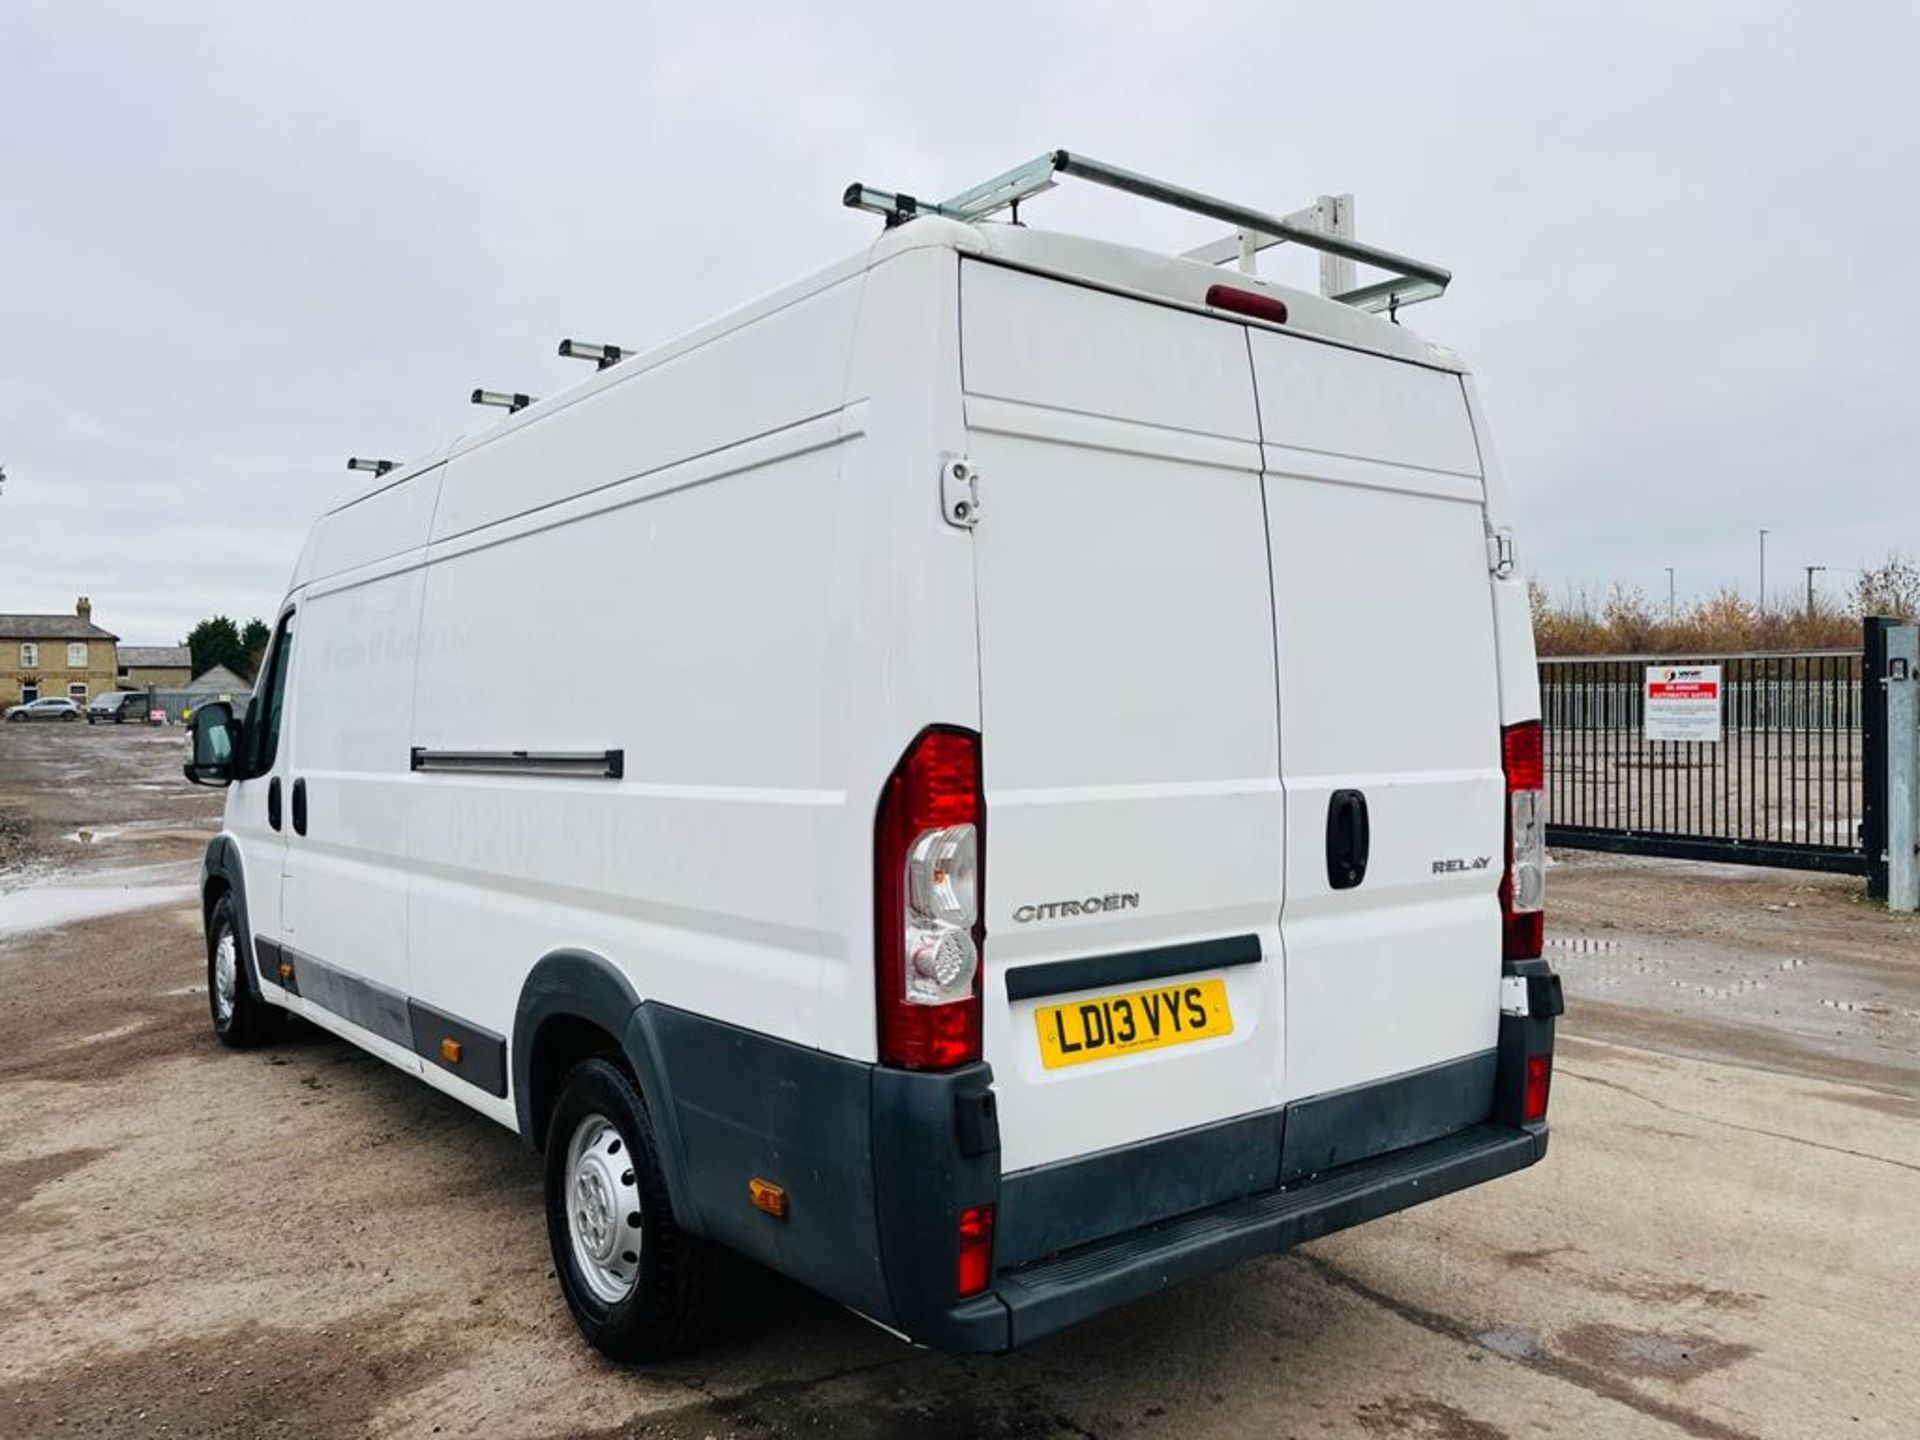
{"x": 1892, "y": 588}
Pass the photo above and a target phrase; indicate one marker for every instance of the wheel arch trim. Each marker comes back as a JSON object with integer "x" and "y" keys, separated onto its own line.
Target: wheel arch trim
{"x": 579, "y": 985}
{"x": 223, "y": 866}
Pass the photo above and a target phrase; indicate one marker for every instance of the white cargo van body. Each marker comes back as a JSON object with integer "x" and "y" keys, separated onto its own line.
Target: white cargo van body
{"x": 1181, "y": 640}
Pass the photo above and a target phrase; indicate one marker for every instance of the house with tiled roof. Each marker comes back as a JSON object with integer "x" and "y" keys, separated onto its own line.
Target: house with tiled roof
{"x": 57, "y": 655}
{"x": 159, "y": 667}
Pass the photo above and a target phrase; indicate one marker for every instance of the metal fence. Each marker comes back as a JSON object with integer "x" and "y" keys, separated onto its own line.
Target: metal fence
{"x": 1783, "y": 785}
{"x": 178, "y": 702}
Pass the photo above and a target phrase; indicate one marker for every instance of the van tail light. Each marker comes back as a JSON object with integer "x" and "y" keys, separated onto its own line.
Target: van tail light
{"x": 1523, "y": 888}
{"x": 928, "y": 848}
{"x": 974, "y": 1269}
{"x": 1539, "y": 1081}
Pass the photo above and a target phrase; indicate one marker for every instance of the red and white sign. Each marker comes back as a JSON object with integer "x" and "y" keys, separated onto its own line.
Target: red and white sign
{"x": 1683, "y": 703}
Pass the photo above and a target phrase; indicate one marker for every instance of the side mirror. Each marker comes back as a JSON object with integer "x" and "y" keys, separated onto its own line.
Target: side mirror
{"x": 215, "y": 742}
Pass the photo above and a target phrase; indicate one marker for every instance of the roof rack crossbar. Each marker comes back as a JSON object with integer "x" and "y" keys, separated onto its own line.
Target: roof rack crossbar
{"x": 1411, "y": 279}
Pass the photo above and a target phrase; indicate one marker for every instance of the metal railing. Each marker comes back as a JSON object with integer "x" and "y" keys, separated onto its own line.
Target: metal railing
{"x": 1783, "y": 785}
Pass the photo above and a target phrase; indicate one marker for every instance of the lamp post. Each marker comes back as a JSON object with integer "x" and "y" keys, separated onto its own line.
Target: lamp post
{"x": 1811, "y": 571}
{"x": 1764, "y": 532}
{"x": 1669, "y": 594}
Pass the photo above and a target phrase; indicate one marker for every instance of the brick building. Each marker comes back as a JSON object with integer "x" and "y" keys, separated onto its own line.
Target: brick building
{"x": 57, "y": 655}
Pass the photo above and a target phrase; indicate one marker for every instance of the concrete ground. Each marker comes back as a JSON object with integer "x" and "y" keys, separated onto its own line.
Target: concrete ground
{"x": 303, "y": 1242}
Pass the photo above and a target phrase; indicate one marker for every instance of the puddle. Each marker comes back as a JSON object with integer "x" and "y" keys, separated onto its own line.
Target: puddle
{"x": 1645, "y": 1354}
{"x": 63, "y": 899}
{"x": 1582, "y": 945}
{"x": 1513, "y": 1343}
{"x": 162, "y": 829}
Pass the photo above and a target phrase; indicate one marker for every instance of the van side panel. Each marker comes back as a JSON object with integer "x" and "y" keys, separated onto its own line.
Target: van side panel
{"x": 348, "y": 720}
{"x": 1512, "y": 609}
{"x": 1388, "y": 685}
{"x": 686, "y": 630}
{"x": 903, "y": 589}
{"x": 771, "y": 373}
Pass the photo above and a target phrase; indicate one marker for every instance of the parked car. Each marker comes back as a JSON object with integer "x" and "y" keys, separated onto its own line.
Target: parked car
{"x": 47, "y": 707}
{"x": 964, "y": 897}
{"x": 117, "y": 707}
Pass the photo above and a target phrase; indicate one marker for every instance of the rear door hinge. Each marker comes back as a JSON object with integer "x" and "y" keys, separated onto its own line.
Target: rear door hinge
{"x": 1500, "y": 552}
{"x": 959, "y": 492}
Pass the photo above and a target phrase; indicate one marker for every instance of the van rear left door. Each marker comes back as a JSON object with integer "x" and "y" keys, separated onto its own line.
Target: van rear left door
{"x": 1130, "y": 746}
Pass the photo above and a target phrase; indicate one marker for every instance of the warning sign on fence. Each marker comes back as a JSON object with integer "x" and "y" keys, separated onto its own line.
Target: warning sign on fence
{"x": 1683, "y": 702}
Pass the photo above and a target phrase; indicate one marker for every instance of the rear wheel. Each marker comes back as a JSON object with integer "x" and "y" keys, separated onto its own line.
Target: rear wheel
{"x": 639, "y": 1286}
{"x": 240, "y": 1017}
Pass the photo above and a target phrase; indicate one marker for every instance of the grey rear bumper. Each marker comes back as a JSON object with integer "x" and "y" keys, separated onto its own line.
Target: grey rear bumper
{"x": 1052, "y": 1294}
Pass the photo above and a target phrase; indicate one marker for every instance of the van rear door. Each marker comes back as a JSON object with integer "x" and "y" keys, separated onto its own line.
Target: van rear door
{"x": 1130, "y": 741}
{"x": 1388, "y": 688}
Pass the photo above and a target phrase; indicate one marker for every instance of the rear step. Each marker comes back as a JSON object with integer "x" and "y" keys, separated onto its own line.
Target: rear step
{"x": 1052, "y": 1294}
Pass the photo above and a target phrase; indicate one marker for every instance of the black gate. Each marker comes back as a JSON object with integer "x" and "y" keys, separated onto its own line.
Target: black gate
{"x": 1784, "y": 784}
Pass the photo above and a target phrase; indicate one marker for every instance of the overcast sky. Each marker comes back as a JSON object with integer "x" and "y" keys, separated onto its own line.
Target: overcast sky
{"x": 239, "y": 243}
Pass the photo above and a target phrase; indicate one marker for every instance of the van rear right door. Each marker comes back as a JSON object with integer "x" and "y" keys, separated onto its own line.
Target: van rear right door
{"x": 1388, "y": 688}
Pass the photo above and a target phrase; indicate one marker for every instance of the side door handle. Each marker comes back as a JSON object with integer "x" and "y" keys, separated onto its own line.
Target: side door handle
{"x": 300, "y": 806}
{"x": 1349, "y": 838}
{"x": 273, "y": 802}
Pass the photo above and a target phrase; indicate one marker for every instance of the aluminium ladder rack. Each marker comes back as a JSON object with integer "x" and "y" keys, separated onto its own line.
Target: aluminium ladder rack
{"x": 1409, "y": 280}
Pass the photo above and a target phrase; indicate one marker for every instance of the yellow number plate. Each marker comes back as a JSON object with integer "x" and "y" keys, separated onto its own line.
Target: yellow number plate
{"x": 1110, "y": 1025}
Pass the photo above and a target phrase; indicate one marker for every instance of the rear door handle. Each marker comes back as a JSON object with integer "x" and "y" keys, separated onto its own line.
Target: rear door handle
{"x": 273, "y": 802}
{"x": 300, "y": 806}
{"x": 1349, "y": 838}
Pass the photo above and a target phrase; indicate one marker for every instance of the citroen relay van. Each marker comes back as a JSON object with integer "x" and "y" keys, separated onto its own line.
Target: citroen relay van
{"x": 1060, "y": 814}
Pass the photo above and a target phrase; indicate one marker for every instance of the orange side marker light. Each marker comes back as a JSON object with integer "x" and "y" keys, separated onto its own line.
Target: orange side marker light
{"x": 768, "y": 1196}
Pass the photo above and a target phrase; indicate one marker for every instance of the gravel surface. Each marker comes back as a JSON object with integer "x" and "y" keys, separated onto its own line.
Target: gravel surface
{"x": 301, "y": 1241}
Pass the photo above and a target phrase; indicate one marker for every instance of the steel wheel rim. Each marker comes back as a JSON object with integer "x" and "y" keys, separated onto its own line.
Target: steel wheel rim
{"x": 603, "y": 1209}
{"x": 226, "y": 975}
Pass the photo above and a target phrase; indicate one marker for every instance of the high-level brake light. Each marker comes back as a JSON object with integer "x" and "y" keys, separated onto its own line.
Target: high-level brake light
{"x": 1523, "y": 888}
{"x": 1247, "y": 302}
{"x": 926, "y": 882}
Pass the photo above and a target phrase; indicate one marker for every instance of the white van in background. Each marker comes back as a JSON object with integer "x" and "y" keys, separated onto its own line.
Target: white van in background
{"x": 1058, "y": 813}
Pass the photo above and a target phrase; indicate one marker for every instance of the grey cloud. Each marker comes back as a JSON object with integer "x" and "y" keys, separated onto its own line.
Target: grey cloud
{"x": 238, "y": 245}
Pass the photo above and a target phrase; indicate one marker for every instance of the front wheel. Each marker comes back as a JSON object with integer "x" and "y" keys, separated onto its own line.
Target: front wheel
{"x": 241, "y": 1019}
{"x": 638, "y": 1285}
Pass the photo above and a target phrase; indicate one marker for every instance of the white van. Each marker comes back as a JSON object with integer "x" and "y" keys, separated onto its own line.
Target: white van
{"x": 993, "y": 780}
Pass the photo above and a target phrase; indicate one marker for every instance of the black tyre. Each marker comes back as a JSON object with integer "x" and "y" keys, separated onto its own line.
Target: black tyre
{"x": 240, "y": 1017}
{"x": 639, "y": 1286}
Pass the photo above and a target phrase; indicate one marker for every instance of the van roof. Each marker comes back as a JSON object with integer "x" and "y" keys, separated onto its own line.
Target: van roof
{"x": 1101, "y": 264}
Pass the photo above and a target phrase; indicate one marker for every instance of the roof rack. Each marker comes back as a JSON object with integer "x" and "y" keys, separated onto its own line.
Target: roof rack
{"x": 1409, "y": 281}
